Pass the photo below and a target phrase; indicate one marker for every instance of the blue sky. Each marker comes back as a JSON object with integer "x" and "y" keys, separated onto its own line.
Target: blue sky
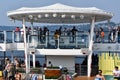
{"x": 8, "y": 5}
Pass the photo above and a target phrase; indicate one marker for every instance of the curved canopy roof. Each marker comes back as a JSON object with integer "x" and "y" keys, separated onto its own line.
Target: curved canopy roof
{"x": 59, "y": 13}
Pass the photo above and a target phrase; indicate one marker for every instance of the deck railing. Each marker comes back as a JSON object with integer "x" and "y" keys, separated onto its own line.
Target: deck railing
{"x": 65, "y": 40}
{"x": 80, "y": 40}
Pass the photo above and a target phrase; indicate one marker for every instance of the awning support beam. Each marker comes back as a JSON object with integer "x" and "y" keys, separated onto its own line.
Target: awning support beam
{"x": 25, "y": 46}
{"x": 91, "y": 46}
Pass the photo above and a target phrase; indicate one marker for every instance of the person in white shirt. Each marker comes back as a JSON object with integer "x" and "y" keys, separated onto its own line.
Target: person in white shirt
{"x": 116, "y": 73}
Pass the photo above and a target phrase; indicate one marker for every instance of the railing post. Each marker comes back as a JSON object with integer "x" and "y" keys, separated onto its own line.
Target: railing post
{"x": 5, "y": 36}
{"x": 46, "y": 39}
{"x": 4, "y": 57}
{"x": 13, "y": 36}
{"x": 76, "y": 39}
{"x": 12, "y": 57}
{"x": 33, "y": 53}
{"x": 58, "y": 42}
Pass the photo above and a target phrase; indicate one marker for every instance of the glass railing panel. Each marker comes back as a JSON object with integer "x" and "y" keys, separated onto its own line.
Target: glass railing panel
{"x": 19, "y": 36}
{"x": 1, "y": 36}
{"x": 32, "y": 41}
{"x": 82, "y": 41}
{"x": 108, "y": 38}
{"x": 78, "y": 41}
{"x": 51, "y": 42}
{"x": 48, "y": 41}
{"x": 9, "y": 36}
{"x": 63, "y": 42}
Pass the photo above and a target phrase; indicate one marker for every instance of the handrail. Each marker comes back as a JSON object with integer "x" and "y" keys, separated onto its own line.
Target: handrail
{"x": 47, "y": 41}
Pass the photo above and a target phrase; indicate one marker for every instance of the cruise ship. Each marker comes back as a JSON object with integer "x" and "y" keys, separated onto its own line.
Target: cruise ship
{"x": 59, "y": 47}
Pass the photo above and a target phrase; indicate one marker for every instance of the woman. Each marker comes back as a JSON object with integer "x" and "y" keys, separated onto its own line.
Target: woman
{"x": 11, "y": 72}
{"x": 99, "y": 76}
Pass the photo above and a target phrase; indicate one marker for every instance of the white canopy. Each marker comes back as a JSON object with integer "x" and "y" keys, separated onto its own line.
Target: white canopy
{"x": 59, "y": 13}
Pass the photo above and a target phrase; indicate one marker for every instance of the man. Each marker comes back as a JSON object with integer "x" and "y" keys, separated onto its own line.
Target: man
{"x": 74, "y": 30}
{"x": 116, "y": 73}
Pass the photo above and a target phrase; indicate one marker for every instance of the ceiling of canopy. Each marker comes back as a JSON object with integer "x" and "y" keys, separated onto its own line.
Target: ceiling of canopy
{"x": 59, "y": 13}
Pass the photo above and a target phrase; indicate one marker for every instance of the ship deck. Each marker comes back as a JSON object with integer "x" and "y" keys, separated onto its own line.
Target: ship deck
{"x": 84, "y": 78}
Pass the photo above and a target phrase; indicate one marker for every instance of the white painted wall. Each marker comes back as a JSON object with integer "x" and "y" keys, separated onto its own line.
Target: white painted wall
{"x": 65, "y": 61}
{"x": 67, "y": 52}
{"x": 60, "y": 52}
{"x": 2, "y": 47}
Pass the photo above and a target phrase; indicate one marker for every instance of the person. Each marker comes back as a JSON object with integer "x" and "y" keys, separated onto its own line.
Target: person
{"x": 102, "y": 33}
{"x": 116, "y": 73}
{"x": 50, "y": 64}
{"x": 34, "y": 76}
{"x": 118, "y": 34}
{"x": 74, "y": 30}
{"x": 17, "y": 63}
{"x": 7, "y": 67}
{"x": 56, "y": 36}
{"x": 17, "y": 32}
{"x": 68, "y": 77}
{"x": 11, "y": 72}
{"x": 99, "y": 76}
{"x": 17, "y": 75}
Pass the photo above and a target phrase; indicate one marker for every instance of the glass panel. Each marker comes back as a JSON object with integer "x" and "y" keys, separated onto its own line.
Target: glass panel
{"x": 63, "y": 42}
{"x": 9, "y": 36}
{"x": 1, "y": 36}
{"x": 109, "y": 37}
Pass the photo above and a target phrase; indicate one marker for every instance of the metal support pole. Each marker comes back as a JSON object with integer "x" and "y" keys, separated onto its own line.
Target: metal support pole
{"x": 58, "y": 43}
{"x": 25, "y": 46}
{"x": 4, "y": 57}
{"x": 29, "y": 62}
{"x": 32, "y": 33}
{"x": 46, "y": 36}
{"x": 12, "y": 57}
{"x": 90, "y": 46}
{"x": 5, "y": 36}
{"x": 33, "y": 60}
{"x": 13, "y": 36}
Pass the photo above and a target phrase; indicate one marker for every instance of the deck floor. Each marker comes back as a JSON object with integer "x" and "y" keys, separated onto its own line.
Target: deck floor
{"x": 1, "y": 78}
{"x": 84, "y": 78}
{"x": 77, "y": 78}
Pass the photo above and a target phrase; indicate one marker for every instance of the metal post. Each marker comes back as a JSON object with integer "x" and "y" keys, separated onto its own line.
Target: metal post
{"x": 13, "y": 36}
{"x": 90, "y": 46}
{"x": 33, "y": 59}
{"x": 5, "y": 36}
{"x": 12, "y": 59}
{"x": 25, "y": 46}
{"x": 28, "y": 52}
{"x": 58, "y": 43}
{"x": 76, "y": 40}
{"x": 29, "y": 62}
{"x": 4, "y": 57}
{"x": 46, "y": 36}
{"x": 32, "y": 33}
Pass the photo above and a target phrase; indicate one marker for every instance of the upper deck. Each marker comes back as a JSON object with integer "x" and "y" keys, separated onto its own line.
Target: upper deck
{"x": 12, "y": 40}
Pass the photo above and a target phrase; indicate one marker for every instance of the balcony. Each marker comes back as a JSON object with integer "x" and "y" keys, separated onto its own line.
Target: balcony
{"x": 47, "y": 41}
{"x": 11, "y": 40}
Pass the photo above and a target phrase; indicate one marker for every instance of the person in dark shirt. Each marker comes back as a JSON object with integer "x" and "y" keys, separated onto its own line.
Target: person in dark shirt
{"x": 74, "y": 30}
